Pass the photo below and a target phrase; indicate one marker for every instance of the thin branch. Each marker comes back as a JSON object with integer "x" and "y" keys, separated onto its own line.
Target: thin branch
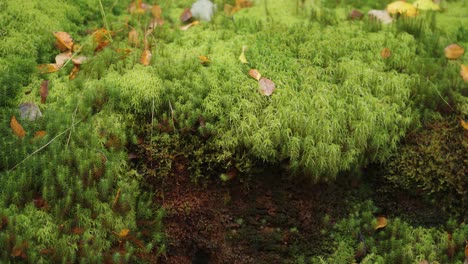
{"x": 172, "y": 115}
{"x": 41, "y": 148}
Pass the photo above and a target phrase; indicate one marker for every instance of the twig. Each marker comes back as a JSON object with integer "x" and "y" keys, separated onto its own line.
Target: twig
{"x": 116, "y": 199}
{"x": 440, "y": 95}
{"x": 103, "y": 14}
{"x": 72, "y": 126}
{"x": 172, "y": 115}
{"x": 39, "y": 149}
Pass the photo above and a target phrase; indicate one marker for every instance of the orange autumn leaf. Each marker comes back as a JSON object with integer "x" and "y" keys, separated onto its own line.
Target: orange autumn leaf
{"x": 44, "y": 91}
{"x": 381, "y": 223}
{"x": 102, "y": 37}
{"x": 124, "y": 232}
{"x": 48, "y": 68}
{"x": 146, "y": 57}
{"x": 17, "y": 128}
{"x": 385, "y": 53}
{"x": 40, "y": 133}
{"x": 464, "y": 124}
{"x": 254, "y": 73}
{"x": 453, "y": 51}
{"x": 204, "y": 60}
{"x": 63, "y": 41}
{"x": 133, "y": 39}
{"x": 464, "y": 72}
{"x": 156, "y": 11}
{"x": 74, "y": 72}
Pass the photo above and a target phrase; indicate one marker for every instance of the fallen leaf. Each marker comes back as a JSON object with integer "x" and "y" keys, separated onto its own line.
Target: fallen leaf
{"x": 124, "y": 232}
{"x": 63, "y": 41}
{"x": 380, "y": 15}
{"x": 17, "y": 128}
{"x": 426, "y": 5}
{"x": 62, "y": 58}
{"x": 267, "y": 86}
{"x": 464, "y": 72}
{"x": 453, "y": 51}
{"x": 44, "y": 91}
{"x": 146, "y": 57}
{"x": 402, "y": 8}
{"x": 355, "y": 15}
{"x": 19, "y": 251}
{"x": 40, "y": 133}
{"x": 79, "y": 60}
{"x": 464, "y": 124}
{"x": 48, "y": 68}
{"x": 102, "y": 37}
{"x": 204, "y": 60}
{"x": 254, "y": 73}
{"x": 185, "y": 16}
{"x": 29, "y": 111}
{"x": 133, "y": 39}
{"x": 74, "y": 72}
{"x": 194, "y": 23}
{"x": 385, "y": 53}
{"x": 381, "y": 223}
{"x": 156, "y": 11}
{"x": 242, "y": 55}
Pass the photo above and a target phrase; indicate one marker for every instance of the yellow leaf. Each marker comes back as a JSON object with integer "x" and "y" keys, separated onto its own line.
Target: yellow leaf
{"x": 17, "y": 128}
{"x": 204, "y": 60}
{"x": 453, "y": 51}
{"x": 381, "y": 223}
{"x": 63, "y": 41}
{"x": 124, "y": 232}
{"x": 74, "y": 72}
{"x": 242, "y": 55}
{"x": 48, "y": 68}
{"x": 194, "y": 23}
{"x": 146, "y": 57}
{"x": 402, "y": 8}
{"x": 156, "y": 11}
{"x": 385, "y": 53}
{"x": 254, "y": 73}
{"x": 464, "y": 124}
{"x": 40, "y": 134}
{"x": 464, "y": 72}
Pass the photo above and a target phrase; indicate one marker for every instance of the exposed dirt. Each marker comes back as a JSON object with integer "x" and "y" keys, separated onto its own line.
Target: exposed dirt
{"x": 237, "y": 223}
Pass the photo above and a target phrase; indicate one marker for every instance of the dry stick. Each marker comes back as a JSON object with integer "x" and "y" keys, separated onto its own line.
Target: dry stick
{"x": 441, "y": 96}
{"x": 72, "y": 126}
{"x": 116, "y": 199}
{"x": 39, "y": 149}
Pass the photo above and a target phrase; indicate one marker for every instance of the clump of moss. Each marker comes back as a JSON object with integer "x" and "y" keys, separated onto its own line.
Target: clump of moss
{"x": 433, "y": 163}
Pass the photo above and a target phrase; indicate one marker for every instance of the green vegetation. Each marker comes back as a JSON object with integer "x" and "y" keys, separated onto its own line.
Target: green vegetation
{"x": 74, "y": 196}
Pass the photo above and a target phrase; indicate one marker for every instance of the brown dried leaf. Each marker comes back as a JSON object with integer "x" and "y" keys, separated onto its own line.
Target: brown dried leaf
{"x": 355, "y": 15}
{"x": 464, "y": 124}
{"x": 102, "y": 37}
{"x": 48, "y": 68}
{"x": 62, "y": 58}
{"x": 146, "y": 57}
{"x": 267, "y": 86}
{"x": 453, "y": 51}
{"x": 156, "y": 11}
{"x": 133, "y": 39}
{"x": 186, "y": 15}
{"x": 254, "y": 73}
{"x": 464, "y": 72}
{"x": 17, "y": 128}
{"x": 385, "y": 53}
{"x": 381, "y": 223}
{"x": 79, "y": 60}
{"x": 63, "y": 41}
{"x": 77, "y": 230}
{"x": 44, "y": 91}
{"x": 74, "y": 72}
{"x": 40, "y": 133}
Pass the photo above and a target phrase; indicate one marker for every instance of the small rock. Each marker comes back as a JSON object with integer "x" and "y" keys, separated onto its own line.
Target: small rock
{"x": 203, "y": 10}
{"x": 29, "y": 111}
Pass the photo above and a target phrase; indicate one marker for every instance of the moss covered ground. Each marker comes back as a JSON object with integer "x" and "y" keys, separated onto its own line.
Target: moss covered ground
{"x": 178, "y": 158}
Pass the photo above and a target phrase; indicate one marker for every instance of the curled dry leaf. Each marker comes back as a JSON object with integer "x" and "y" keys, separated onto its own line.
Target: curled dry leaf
{"x": 464, "y": 72}
{"x": 267, "y": 86}
{"x": 146, "y": 57}
{"x": 204, "y": 60}
{"x": 133, "y": 39}
{"x": 40, "y": 133}
{"x": 254, "y": 73}
{"x": 79, "y": 60}
{"x": 453, "y": 51}
{"x": 186, "y": 15}
{"x": 242, "y": 57}
{"x": 62, "y": 58}
{"x": 44, "y": 91}
{"x": 385, "y": 53}
{"x": 17, "y": 128}
{"x": 464, "y": 124}
{"x": 48, "y": 68}
{"x": 381, "y": 223}
{"x": 124, "y": 232}
{"x": 194, "y": 23}
{"x": 102, "y": 37}
{"x": 63, "y": 41}
{"x": 74, "y": 72}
